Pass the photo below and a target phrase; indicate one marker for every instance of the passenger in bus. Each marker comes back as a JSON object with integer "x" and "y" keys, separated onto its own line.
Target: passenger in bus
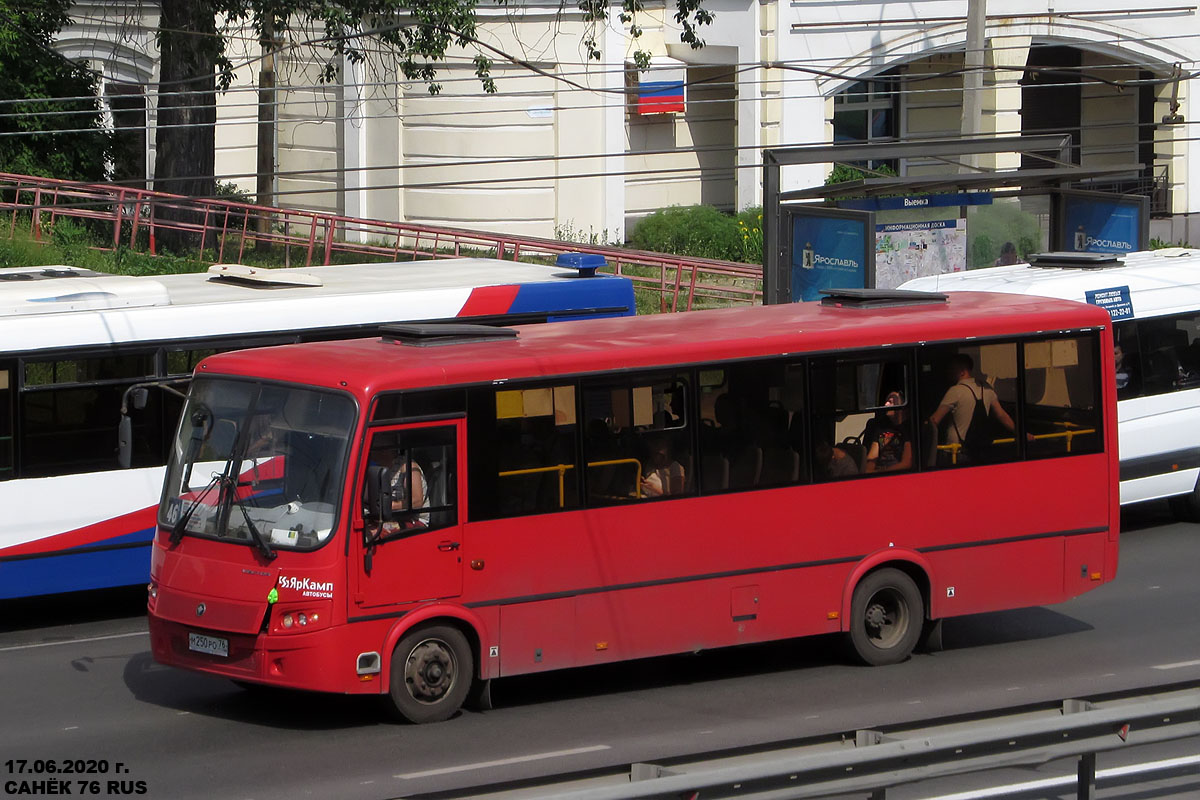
{"x": 662, "y": 474}
{"x": 398, "y": 462}
{"x": 890, "y": 449}
{"x": 961, "y": 398}
{"x": 833, "y": 463}
{"x": 1124, "y": 368}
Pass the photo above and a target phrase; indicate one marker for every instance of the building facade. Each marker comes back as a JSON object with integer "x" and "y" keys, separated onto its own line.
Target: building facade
{"x": 563, "y": 147}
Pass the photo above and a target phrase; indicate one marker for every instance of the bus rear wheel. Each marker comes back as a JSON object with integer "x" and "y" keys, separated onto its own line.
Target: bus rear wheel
{"x": 886, "y": 616}
{"x": 431, "y": 673}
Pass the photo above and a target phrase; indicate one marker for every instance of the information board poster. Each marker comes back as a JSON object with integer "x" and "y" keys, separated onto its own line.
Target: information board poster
{"x": 907, "y": 250}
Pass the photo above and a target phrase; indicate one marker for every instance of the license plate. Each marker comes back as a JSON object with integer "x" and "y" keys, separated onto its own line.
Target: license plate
{"x": 213, "y": 645}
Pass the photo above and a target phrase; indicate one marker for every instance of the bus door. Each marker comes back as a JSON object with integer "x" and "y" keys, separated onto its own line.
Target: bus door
{"x": 409, "y": 529}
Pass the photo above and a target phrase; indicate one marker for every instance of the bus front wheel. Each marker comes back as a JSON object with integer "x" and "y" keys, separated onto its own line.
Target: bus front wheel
{"x": 886, "y": 616}
{"x": 431, "y": 673}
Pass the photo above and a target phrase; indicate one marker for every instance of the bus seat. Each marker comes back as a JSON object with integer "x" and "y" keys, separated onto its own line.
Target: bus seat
{"x": 854, "y": 448}
{"x": 781, "y": 465}
{"x": 745, "y": 467}
{"x": 714, "y": 470}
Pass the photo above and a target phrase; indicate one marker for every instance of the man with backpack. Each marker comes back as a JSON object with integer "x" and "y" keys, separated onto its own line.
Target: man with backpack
{"x": 974, "y": 411}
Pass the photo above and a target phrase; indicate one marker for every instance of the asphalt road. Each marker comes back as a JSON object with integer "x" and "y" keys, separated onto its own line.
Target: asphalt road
{"x": 77, "y": 683}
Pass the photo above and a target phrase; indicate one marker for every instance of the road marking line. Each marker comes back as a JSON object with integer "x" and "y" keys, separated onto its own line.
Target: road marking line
{"x": 1069, "y": 780}
{"x": 502, "y": 762}
{"x": 74, "y": 641}
{"x": 1178, "y": 664}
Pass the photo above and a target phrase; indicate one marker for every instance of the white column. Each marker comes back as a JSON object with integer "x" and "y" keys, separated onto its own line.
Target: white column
{"x": 355, "y": 137}
{"x": 614, "y": 139}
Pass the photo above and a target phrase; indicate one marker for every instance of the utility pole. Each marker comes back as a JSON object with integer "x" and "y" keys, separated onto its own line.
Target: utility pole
{"x": 265, "y": 187}
{"x": 973, "y": 62}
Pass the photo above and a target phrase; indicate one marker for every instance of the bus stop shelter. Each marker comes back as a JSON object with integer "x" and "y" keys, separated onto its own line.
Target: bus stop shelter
{"x": 879, "y": 231}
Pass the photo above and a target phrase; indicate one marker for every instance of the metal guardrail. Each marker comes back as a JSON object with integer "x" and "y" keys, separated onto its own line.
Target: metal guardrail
{"x": 879, "y": 761}
{"x": 222, "y": 230}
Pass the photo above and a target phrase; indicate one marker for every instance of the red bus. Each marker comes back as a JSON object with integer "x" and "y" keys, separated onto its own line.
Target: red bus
{"x": 416, "y": 514}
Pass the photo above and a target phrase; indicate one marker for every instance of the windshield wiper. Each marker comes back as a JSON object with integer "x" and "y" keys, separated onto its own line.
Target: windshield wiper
{"x": 186, "y": 516}
{"x": 230, "y": 485}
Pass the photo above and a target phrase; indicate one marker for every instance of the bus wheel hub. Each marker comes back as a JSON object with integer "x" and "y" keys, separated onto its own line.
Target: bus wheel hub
{"x": 429, "y": 671}
{"x": 876, "y": 616}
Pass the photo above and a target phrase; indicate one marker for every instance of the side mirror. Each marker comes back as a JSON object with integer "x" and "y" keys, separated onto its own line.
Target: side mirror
{"x": 137, "y": 397}
{"x": 377, "y": 495}
{"x": 125, "y": 441}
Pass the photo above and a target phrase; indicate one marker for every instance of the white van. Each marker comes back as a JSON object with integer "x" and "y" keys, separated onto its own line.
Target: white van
{"x": 1154, "y": 299}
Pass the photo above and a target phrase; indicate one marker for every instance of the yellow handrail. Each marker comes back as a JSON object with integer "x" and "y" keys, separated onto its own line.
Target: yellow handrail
{"x": 1069, "y": 435}
{"x": 561, "y": 469}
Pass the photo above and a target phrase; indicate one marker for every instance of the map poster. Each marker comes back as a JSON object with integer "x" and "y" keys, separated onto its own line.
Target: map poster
{"x": 907, "y": 250}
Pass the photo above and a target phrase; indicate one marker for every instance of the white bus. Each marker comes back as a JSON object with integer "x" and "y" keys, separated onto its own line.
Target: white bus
{"x": 74, "y": 344}
{"x": 1154, "y": 300}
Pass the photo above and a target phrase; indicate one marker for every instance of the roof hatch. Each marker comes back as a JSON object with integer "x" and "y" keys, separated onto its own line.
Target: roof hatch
{"x": 1071, "y": 260}
{"x": 879, "y": 298}
{"x": 428, "y": 334}
{"x": 263, "y": 278}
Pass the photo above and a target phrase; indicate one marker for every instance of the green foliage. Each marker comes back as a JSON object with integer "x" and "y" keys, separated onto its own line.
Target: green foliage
{"x": 228, "y": 190}
{"x": 71, "y": 243}
{"x": 1161, "y": 244}
{"x": 990, "y": 226}
{"x": 700, "y": 231}
{"x": 750, "y": 226}
{"x": 843, "y": 173}
{"x": 690, "y": 15}
{"x": 35, "y": 137}
{"x": 569, "y": 233}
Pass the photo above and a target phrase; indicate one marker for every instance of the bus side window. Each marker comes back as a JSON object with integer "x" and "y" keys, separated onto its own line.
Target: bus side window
{"x": 861, "y": 406}
{"x": 421, "y": 466}
{"x": 1170, "y": 360}
{"x": 637, "y": 439}
{"x": 952, "y": 379}
{"x": 751, "y": 426}
{"x": 1061, "y": 393}
{"x": 535, "y": 450}
{"x": 69, "y": 410}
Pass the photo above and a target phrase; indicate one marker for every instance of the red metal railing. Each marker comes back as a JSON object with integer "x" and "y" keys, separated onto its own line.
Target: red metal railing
{"x": 222, "y": 230}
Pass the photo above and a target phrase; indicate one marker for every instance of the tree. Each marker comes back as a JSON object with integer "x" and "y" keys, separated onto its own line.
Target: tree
{"x": 36, "y": 135}
{"x": 413, "y": 35}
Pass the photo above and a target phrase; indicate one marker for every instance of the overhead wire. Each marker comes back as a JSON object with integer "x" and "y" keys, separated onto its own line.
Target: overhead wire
{"x": 800, "y": 66}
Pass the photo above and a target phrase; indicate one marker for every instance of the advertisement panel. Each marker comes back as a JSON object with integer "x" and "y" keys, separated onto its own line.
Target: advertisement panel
{"x": 1096, "y": 222}
{"x": 824, "y": 249}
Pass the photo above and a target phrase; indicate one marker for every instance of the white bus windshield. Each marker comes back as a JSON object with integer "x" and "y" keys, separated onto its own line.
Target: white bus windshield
{"x": 260, "y": 464}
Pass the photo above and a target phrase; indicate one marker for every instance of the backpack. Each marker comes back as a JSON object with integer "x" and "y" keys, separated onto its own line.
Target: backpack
{"x": 977, "y": 443}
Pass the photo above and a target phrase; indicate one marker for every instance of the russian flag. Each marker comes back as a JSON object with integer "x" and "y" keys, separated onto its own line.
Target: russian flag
{"x": 661, "y": 89}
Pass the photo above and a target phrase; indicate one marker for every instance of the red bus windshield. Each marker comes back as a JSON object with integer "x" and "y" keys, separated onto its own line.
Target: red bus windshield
{"x": 258, "y": 464}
